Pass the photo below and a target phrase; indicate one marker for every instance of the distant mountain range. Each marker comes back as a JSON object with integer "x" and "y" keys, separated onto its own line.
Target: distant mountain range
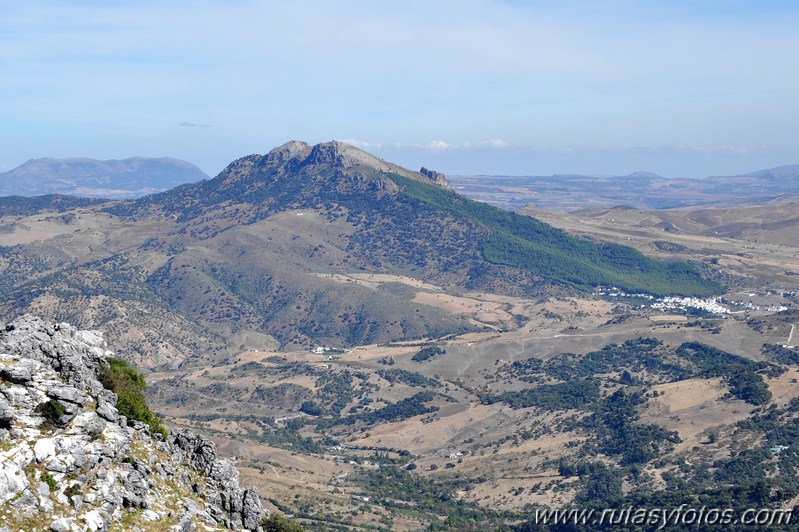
{"x": 128, "y": 178}
{"x": 643, "y": 190}
{"x": 274, "y": 250}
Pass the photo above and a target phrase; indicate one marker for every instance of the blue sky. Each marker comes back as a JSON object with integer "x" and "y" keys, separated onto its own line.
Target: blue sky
{"x": 472, "y": 86}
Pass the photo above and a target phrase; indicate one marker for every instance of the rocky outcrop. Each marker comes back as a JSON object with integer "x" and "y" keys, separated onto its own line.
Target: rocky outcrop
{"x": 70, "y": 461}
{"x": 436, "y": 178}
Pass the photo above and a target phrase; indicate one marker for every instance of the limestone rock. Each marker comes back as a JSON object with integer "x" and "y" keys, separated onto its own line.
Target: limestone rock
{"x": 95, "y": 469}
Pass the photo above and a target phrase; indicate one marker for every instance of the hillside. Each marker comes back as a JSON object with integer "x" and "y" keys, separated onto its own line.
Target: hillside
{"x": 25, "y": 206}
{"x": 79, "y": 450}
{"x": 127, "y": 178}
{"x": 277, "y": 251}
{"x": 749, "y": 243}
{"x": 775, "y": 223}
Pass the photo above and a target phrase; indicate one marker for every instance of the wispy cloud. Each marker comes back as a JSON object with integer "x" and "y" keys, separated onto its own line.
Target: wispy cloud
{"x": 192, "y": 124}
{"x": 437, "y": 145}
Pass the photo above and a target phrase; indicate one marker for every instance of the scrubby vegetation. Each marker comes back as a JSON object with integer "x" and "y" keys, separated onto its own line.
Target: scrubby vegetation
{"x": 783, "y": 355}
{"x": 277, "y": 523}
{"x": 561, "y": 396}
{"x": 129, "y": 384}
{"x": 410, "y": 407}
{"x": 740, "y": 373}
{"x": 411, "y": 378}
{"x": 426, "y": 353}
{"x": 26, "y": 206}
{"x": 643, "y": 357}
{"x": 336, "y": 391}
{"x": 619, "y": 434}
{"x": 749, "y": 387}
{"x": 401, "y": 491}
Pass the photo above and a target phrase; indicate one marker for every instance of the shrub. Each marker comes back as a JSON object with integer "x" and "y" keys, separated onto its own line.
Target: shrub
{"x": 129, "y": 384}
{"x": 749, "y": 387}
{"x": 427, "y": 353}
{"x": 50, "y": 481}
{"x": 311, "y": 408}
{"x": 560, "y": 396}
{"x": 278, "y": 523}
{"x": 52, "y": 411}
{"x": 72, "y": 491}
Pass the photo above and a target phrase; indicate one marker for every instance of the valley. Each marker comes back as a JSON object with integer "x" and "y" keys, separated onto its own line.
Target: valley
{"x": 377, "y": 352}
{"x": 489, "y": 453}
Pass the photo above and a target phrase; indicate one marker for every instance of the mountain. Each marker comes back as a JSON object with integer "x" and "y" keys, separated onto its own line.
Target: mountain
{"x": 73, "y": 455}
{"x": 642, "y": 190}
{"x": 305, "y": 245}
{"x": 643, "y": 175}
{"x": 790, "y": 171}
{"x": 404, "y": 219}
{"x": 128, "y": 178}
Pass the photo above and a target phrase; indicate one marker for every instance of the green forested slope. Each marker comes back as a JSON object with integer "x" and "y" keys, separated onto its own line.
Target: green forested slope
{"x": 528, "y": 244}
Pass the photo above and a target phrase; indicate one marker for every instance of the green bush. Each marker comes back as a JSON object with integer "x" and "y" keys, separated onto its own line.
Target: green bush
{"x": 749, "y": 387}
{"x": 278, "y": 523}
{"x": 72, "y": 491}
{"x": 52, "y": 411}
{"x": 129, "y": 384}
{"x": 411, "y": 378}
{"x": 427, "y": 353}
{"x": 50, "y": 481}
{"x": 311, "y": 408}
{"x": 404, "y": 409}
{"x": 561, "y": 396}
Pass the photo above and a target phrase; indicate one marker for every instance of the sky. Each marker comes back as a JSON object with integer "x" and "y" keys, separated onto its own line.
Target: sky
{"x": 539, "y": 87}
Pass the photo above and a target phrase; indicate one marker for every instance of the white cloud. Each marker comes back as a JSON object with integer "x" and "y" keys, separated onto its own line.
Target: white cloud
{"x": 438, "y": 145}
{"x": 362, "y": 144}
{"x": 491, "y": 143}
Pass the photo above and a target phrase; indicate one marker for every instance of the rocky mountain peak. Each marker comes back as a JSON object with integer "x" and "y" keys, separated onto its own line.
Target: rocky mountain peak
{"x": 293, "y": 149}
{"x": 346, "y": 157}
{"x": 70, "y": 461}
